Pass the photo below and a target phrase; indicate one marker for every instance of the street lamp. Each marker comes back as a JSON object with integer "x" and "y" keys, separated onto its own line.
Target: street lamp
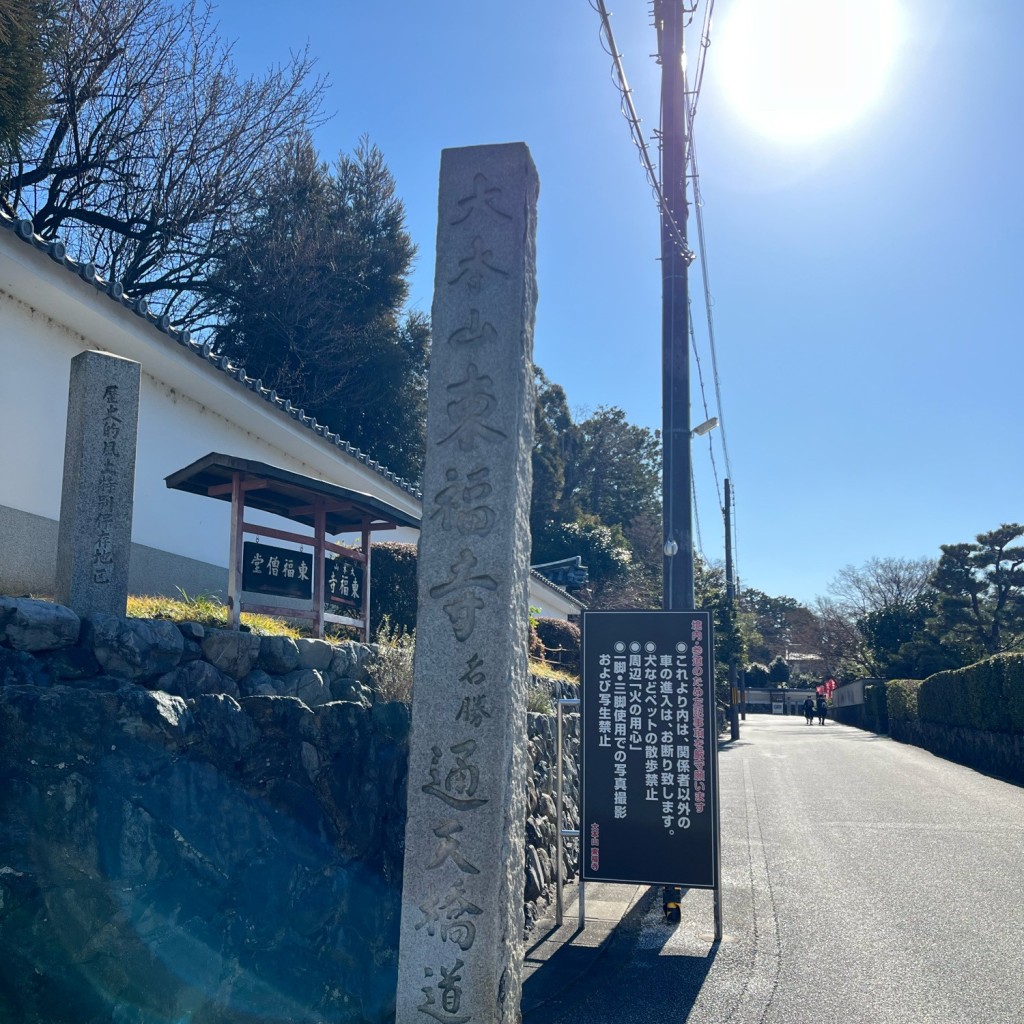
{"x": 704, "y": 428}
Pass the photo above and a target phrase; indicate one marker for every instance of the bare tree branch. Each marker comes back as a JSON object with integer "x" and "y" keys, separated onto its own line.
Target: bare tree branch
{"x": 153, "y": 148}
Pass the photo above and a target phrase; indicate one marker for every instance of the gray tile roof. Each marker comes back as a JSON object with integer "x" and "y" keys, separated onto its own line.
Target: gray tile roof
{"x": 115, "y": 291}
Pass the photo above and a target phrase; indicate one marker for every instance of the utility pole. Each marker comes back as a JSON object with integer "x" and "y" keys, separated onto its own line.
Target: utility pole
{"x": 677, "y": 494}
{"x": 676, "y": 487}
{"x": 730, "y": 597}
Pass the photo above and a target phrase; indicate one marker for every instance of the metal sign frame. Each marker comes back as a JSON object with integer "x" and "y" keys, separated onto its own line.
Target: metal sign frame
{"x": 649, "y": 753}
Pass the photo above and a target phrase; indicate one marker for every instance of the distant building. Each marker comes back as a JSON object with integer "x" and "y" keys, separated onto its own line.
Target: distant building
{"x": 568, "y": 573}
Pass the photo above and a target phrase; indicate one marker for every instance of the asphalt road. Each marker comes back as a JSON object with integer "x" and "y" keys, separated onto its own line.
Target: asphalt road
{"x": 863, "y": 881}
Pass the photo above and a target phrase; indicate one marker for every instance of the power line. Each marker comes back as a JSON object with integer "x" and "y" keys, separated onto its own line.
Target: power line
{"x": 628, "y": 109}
{"x": 698, "y": 204}
{"x": 704, "y": 402}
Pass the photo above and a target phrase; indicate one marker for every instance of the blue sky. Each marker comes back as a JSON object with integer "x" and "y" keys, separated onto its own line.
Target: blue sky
{"x": 865, "y": 284}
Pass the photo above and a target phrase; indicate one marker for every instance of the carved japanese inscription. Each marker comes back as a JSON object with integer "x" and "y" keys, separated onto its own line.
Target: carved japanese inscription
{"x": 460, "y": 960}
{"x": 94, "y": 538}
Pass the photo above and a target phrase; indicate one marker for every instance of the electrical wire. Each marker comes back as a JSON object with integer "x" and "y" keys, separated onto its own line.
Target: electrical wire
{"x": 705, "y": 43}
{"x": 708, "y": 301}
{"x": 703, "y": 396}
{"x": 696, "y": 517}
{"x": 628, "y": 110}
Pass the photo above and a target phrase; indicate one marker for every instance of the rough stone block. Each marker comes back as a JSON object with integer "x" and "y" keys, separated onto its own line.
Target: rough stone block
{"x": 195, "y": 679}
{"x": 30, "y": 625}
{"x": 315, "y": 654}
{"x": 234, "y": 653}
{"x": 133, "y": 648}
{"x": 279, "y": 655}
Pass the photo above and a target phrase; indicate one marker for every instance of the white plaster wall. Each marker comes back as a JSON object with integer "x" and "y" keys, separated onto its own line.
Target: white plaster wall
{"x": 173, "y": 431}
{"x": 550, "y": 604}
{"x": 35, "y": 356}
{"x": 187, "y": 408}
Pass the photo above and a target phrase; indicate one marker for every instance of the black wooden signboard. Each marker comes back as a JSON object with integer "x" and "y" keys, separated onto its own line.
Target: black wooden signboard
{"x": 650, "y": 785}
{"x": 343, "y": 585}
{"x": 284, "y": 572}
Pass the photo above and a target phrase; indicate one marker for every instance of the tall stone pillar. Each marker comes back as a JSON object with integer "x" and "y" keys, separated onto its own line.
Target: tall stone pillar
{"x": 95, "y": 534}
{"x": 460, "y": 959}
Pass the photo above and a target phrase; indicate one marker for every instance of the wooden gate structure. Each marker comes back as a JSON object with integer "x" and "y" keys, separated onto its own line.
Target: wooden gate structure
{"x": 325, "y": 508}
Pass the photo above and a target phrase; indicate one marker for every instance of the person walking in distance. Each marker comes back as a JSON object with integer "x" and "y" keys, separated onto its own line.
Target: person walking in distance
{"x": 822, "y": 710}
{"x": 809, "y": 711}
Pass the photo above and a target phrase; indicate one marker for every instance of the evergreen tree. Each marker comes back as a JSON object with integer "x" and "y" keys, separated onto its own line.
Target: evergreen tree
{"x": 312, "y": 291}
{"x": 981, "y": 588}
{"x": 25, "y": 28}
{"x": 596, "y": 494}
{"x": 615, "y": 468}
{"x": 553, "y": 443}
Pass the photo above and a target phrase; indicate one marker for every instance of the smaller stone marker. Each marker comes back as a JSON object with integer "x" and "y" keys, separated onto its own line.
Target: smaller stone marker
{"x": 95, "y": 534}
{"x": 460, "y": 957}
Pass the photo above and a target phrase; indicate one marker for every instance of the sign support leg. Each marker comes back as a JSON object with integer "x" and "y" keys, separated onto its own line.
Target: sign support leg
{"x": 718, "y": 848}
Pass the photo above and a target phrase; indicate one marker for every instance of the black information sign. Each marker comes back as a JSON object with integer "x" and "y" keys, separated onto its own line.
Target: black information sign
{"x": 650, "y": 765}
{"x": 280, "y": 571}
{"x": 343, "y": 585}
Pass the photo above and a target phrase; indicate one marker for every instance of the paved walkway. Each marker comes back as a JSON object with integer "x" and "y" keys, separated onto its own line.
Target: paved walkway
{"x": 864, "y": 882}
{"x": 559, "y": 961}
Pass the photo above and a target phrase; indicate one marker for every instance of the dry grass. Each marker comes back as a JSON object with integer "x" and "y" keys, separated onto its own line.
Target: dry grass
{"x": 391, "y": 667}
{"x": 546, "y": 671}
{"x": 207, "y": 611}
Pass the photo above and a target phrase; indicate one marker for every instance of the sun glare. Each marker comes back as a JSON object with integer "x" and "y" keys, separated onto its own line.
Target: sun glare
{"x": 798, "y": 70}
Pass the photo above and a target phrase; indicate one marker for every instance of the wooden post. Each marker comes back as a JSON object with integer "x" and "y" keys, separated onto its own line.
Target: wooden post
{"x": 366, "y": 581}
{"x": 236, "y": 550}
{"x": 319, "y": 565}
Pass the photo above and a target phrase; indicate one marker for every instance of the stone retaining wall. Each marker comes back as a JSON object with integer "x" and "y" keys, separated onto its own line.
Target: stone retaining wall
{"x": 999, "y": 754}
{"x": 207, "y": 826}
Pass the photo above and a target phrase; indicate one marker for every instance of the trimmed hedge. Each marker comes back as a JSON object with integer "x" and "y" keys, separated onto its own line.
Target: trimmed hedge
{"x": 901, "y": 699}
{"x": 1013, "y": 691}
{"x": 876, "y": 710}
{"x": 988, "y": 696}
{"x": 393, "y": 585}
{"x": 942, "y": 699}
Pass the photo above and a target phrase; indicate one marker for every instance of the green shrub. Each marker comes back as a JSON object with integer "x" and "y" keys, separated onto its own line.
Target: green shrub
{"x": 984, "y": 686}
{"x": 942, "y": 699}
{"x": 539, "y": 698}
{"x": 901, "y": 696}
{"x": 393, "y": 586}
{"x": 876, "y": 710}
{"x": 1013, "y": 692}
{"x": 561, "y": 642}
{"x": 988, "y": 696}
{"x": 756, "y": 676}
{"x": 390, "y": 668}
